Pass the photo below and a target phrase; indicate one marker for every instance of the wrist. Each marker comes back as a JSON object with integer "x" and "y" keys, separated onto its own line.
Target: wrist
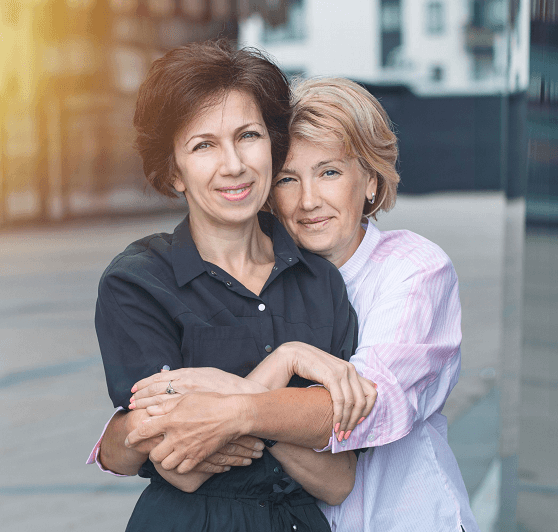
{"x": 243, "y": 408}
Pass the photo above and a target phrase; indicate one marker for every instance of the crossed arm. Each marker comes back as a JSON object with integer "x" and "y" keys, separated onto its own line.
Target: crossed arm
{"x": 197, "y": 425}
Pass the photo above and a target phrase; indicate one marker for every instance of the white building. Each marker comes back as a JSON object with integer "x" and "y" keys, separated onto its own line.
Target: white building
{"x": 432, "y": 46}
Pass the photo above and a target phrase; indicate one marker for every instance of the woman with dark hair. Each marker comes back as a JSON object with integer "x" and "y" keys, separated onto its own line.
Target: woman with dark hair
{"x": 217, "y": 296}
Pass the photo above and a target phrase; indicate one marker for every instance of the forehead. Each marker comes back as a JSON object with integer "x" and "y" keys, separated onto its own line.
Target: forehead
{"x": 307, "y": 152}
{"x": 231, "y": 110}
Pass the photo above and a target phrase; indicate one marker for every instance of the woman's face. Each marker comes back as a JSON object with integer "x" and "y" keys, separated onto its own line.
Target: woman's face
{"x": 224, "y": 162}
{"x": 319, "y": 197}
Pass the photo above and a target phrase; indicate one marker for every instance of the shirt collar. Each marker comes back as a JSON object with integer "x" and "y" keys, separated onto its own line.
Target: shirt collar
{"x": 188, "y": 264}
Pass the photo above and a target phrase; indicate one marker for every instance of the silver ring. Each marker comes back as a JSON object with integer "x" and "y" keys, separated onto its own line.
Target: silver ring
{"x": 170, "y": 389}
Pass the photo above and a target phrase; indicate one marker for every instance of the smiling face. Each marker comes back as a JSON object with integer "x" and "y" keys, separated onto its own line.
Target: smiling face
{"x": 319, "y": 197}
{"x": 224, "y": 160}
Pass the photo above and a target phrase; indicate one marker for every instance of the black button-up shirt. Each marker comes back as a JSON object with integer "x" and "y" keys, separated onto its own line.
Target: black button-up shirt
{"x": 161, "y": 304}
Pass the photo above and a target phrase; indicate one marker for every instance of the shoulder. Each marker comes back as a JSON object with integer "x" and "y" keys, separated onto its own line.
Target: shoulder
{"x": 409, "y": 251}
{"x": 143, "y": 259}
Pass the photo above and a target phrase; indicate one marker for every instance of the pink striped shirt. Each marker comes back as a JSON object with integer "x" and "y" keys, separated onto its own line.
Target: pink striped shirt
{"x": 404, "y": 290}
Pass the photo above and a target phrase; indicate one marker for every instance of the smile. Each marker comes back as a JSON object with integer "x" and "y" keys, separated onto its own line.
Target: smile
{"x": 315, "y": 223}
{"x": 235, "y": 193}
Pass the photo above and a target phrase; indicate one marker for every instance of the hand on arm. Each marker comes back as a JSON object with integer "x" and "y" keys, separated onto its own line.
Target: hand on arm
{"x": 353, "y": 396}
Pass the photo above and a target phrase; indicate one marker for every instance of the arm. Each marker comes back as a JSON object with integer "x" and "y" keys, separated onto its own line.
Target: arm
{"x": 410, "y": 340}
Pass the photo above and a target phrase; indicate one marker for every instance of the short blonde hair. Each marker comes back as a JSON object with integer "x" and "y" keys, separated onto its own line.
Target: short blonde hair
{"x": 327, "y": 111}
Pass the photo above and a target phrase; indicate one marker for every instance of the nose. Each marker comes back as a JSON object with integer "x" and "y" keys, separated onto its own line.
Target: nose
{"x": 231, "y": 161}
{"x": 310, "y": 195}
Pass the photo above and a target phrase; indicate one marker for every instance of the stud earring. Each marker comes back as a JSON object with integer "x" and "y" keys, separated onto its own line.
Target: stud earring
{"x": 372, "y": 199}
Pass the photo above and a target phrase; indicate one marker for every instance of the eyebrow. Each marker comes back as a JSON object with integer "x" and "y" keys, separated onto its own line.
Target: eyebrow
{"x": 211, "y": 135}
{"x": 314, "y": 168}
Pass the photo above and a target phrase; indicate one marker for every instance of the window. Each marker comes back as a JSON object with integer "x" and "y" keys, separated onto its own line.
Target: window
{"x": 294, "y": 27}
{"x": 435, "y": 23}
{"x": 391, "y": 17}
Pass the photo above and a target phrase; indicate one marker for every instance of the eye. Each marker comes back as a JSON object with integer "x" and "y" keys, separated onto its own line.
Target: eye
{"x": 250, "y": 135}
{"x": 201, "y": 146}
{"x": 331, "y": 173}
{"x": 284, "y": 181}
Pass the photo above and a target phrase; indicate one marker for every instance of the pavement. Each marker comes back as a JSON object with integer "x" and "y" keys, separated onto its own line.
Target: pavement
{"x": 53, "y": 395}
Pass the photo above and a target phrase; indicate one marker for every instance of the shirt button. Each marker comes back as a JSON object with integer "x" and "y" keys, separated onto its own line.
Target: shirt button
{"x": 274, "y": 268}
{"x": 166, "y": 367}
{"x": 268, "y": 348}
{"x": 370, "y": 437}
{"x": 343, "y": 443}
{"x": 229, "y": 284}
{"x": 212, "y": 272}
{"x": 261, "y": 307}
{"x": 290, "y": 259}
{"x": 276, "y": 470}
{"x": 262, "y": 504}
{"x": 294, "y": 527}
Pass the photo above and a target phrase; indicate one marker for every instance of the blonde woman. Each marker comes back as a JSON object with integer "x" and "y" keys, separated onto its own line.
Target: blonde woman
{"x": 339, "y": 173}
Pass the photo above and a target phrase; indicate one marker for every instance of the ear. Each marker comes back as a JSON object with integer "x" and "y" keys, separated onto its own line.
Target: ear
{"x": 372, "y": 184}
{"x": 178, "y": 184}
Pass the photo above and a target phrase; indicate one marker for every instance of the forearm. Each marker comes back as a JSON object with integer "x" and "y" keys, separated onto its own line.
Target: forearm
{"x": 114, "y": 455}
{"x": 327, "y": 477}
{"x": 294, "y": 415}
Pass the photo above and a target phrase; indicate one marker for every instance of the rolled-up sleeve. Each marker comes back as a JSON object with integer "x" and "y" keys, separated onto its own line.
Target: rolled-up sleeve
{"x": 410, "y": 347}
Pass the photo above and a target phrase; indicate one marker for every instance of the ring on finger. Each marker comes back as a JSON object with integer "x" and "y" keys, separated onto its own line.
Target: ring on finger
{"x": 170, "y": 390}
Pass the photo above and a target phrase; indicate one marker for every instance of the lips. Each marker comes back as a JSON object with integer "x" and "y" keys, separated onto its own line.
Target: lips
{"x": 236, "y": 192}
{"x": 313, "y": 221}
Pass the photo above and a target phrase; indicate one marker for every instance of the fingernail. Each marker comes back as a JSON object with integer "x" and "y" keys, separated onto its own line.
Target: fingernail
{"x": 132, "y": 406}
{"x": 257, "y": 454}
{"x": 375, "y": 385}
{"x": 227, "y": 467}
{"x": 360, "y": 420}
{"x": 259, "y": 446}
{"x": 126, "y": 442}
{"x": 337, "y": 427}
{"x": 246, "y": 461}
{"x": 134, "y": 388}
{"x": 347, "y": 434}
{"x": 340, "y": 437}
{"x": 132, "y": 399}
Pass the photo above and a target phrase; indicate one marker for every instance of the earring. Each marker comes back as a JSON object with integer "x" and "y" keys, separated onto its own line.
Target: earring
{"x": 372, "y": 199}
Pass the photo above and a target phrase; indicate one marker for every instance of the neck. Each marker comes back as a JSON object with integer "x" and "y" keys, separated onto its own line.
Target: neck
{"x": 236, "y": 249}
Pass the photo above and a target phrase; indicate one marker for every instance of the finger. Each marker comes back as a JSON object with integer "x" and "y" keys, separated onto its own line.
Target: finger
{"x": 233, "y": 449}
{"x": 347, "y": 407}
{"x": 370, "y": 393}
{"x": 155, "y": 388}
{"x": 147, "y": 429}
{"x": 223, "y": 460}
{"x": 207, "y": 467}
{"x": 338, "y": 400}
{"x": 150, "y": 401}
{"x": 250, "y": 442}
{"x": 163, "y": 408}
{"x": 162, "y": 451}
{"x": 164, "y": 375}
{"x": 359, "y": 401}
{"x": 186, "y": 466}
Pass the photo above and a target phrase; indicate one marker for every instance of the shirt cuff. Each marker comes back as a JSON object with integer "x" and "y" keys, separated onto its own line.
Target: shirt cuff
{"x": 94, "y": 455}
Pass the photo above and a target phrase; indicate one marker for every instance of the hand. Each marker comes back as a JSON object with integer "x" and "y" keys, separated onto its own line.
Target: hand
{"x": 239, "y": 452}
{"x": 353, "y": 396}
{"x": 152, "y": 390}
{"x": 132, "y": 421}
{"x": 194, "y": 426}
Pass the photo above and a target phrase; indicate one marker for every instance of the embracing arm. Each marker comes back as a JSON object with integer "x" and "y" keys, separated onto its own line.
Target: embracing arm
{"x": 414, "y": 356}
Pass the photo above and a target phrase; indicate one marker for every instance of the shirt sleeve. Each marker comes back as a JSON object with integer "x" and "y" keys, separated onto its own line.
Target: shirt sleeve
{"x": 137, "y": 336}
{"x": 94, "y": 455}
{"x": 409, "y": 346}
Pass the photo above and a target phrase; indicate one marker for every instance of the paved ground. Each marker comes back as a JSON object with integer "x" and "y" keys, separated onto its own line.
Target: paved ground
{"x": 53, "y": 396}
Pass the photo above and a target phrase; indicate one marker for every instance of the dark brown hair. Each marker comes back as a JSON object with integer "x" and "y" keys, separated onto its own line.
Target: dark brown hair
{"x": 185, "y": 81}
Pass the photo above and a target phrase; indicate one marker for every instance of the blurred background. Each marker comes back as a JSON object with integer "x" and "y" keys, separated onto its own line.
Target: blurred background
{"x": 472, "y": 89}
